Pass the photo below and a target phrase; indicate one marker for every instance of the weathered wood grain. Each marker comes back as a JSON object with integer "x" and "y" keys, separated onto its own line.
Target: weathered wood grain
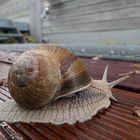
{"x": 15, "y": 10}
{"x": 64, "y": 11}
{"x": 35, "y": 19}
{"x": 123, "y": 24}
{"x": 115, "y": 123}
{"x": 101, "y": 16}
{"x": 78, "y": 16}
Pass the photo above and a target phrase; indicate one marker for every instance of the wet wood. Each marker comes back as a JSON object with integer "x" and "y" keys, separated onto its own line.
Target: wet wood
{"x": 96, "y": 69}
{"x": 117, "y": 122}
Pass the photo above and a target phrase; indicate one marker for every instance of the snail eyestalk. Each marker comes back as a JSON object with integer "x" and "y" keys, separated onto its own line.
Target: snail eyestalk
{"x": 112, "y": 84}
{"x": 105, "y": 74}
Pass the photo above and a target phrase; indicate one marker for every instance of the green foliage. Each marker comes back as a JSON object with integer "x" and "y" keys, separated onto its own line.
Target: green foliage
{"x": 29, "y": 39}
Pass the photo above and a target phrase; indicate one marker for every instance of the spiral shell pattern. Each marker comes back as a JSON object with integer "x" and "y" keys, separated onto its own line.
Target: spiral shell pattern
{"x": 44, "y": 74}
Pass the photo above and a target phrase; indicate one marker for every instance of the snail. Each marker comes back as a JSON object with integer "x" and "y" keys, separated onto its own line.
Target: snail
{"x": 54, "y": 78}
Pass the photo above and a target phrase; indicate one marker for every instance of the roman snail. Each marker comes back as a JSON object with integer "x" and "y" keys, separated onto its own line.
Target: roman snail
{"x": 54, "y": 78}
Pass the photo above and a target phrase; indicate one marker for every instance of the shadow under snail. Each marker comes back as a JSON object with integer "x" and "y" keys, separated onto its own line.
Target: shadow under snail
{"x": 53, "y": 76}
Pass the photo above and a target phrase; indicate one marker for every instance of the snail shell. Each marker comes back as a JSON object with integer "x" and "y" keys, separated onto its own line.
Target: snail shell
{"x": 50, "y": 73}
{"x": 44, "y": 74}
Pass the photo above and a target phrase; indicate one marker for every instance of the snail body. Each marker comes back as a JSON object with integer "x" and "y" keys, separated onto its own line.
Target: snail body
{"x": 47, "y": 73}
{"x": 44, "y": 74}
{"x": 53, "y": 78}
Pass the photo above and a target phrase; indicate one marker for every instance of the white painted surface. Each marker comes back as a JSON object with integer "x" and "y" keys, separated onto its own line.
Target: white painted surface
{"x": 92, "y": 21}
{"x": 17, "y": 10}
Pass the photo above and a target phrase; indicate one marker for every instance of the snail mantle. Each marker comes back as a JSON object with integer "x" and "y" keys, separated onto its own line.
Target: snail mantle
{"x": 49, "y": 84}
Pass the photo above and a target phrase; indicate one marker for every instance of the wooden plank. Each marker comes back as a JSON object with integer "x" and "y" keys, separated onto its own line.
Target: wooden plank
{"x": 35, "y": 19}
{"x": 117, "y": 122}
{"x": 123, "y": 24}
{"x": 61, "y": 132}
{"x": 18, "y": 11}
{"x": 3, "y": 135}
{"x": 96, "y": 69}
{"x": 69, "y": 4}
{"x": 127, "y": 94}
{"x": 29, "y": 132}
{"x": 91, "y": 16}
{"x": 62, "y": 11}
{"x": 17, "y": 131}
{"x": 5, "y": 93}
{"x": 99, "y": 17}
{"x": 4, "y": 97}
{"x": 47, "y": 133}
{"x": 54, "y": 2}
{"x": 11, "y": 132}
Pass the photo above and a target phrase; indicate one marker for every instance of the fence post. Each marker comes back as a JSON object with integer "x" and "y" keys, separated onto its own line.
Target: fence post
{"x": 35, "y": 19}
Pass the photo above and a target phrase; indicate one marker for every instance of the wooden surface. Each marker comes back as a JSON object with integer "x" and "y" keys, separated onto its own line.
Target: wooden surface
{"x": 35, "y": 19}
{"x": 96, "y": 69}
{"x": 116, "y": 123}
{"x": 92, "y": 21}
{"x": 91, "y": 15}
{"x": 14, "y": 10}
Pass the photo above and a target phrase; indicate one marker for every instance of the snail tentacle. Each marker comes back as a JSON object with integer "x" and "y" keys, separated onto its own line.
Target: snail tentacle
{"x": 105, "y": 74}
{"x": 105, "y": 87}
{"x": 112, "y": 84}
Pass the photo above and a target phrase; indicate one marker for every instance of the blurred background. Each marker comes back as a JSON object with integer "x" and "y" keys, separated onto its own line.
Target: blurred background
{"x": 107, "y": 22}
{"x": 104, "y": 28}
